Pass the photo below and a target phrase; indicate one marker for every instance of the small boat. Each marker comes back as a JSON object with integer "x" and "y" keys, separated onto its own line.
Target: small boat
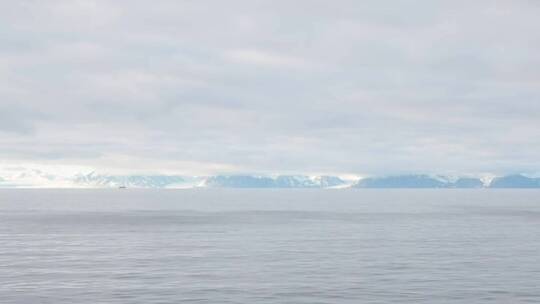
{"x": 122, "y": 187}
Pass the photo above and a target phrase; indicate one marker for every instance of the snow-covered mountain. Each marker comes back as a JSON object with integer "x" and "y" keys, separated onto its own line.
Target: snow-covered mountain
{"x": 135, "y": 181}
{"x": 515, "y": 181}
{"x": 418, "y": 181}
{"x": 32, "y": 178}
{"x": 326, "y": 181}
{"x": 280, "y": 181}
{"x": 17, "y": 177}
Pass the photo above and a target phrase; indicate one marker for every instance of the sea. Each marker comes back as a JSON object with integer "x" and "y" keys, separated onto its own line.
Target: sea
{"x": 269, "y": 246}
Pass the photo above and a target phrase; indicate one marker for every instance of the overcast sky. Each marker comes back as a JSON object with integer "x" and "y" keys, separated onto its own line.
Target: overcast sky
{"x": 304, "y": 86}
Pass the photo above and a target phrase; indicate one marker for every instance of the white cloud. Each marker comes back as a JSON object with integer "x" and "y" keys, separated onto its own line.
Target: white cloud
{"x": 270, "y": 86}
{"x": 262, "y": 58}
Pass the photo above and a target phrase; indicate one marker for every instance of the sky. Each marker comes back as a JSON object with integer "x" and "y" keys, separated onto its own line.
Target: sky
{"x": 306, "y": 86}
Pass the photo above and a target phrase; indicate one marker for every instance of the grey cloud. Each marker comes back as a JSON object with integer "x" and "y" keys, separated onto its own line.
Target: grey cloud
{"x": 273, "y": 86}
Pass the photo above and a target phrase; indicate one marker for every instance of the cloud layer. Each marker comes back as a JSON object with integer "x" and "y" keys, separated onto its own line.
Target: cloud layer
{"x": 203, "y": 87}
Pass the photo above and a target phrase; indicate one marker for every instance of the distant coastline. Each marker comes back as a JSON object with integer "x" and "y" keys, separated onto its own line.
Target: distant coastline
{"x": 40, "y": 179}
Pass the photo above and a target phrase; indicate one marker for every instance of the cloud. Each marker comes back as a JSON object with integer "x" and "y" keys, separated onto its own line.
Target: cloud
{"x": 271, "y": 86}
{"x": 258, "y": 57}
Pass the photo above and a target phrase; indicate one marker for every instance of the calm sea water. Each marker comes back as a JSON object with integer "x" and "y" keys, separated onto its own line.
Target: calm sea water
{"x": 269, "y": 246}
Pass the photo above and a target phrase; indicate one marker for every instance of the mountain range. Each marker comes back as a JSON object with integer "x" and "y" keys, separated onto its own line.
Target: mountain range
{"x": 32, "y": 178}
